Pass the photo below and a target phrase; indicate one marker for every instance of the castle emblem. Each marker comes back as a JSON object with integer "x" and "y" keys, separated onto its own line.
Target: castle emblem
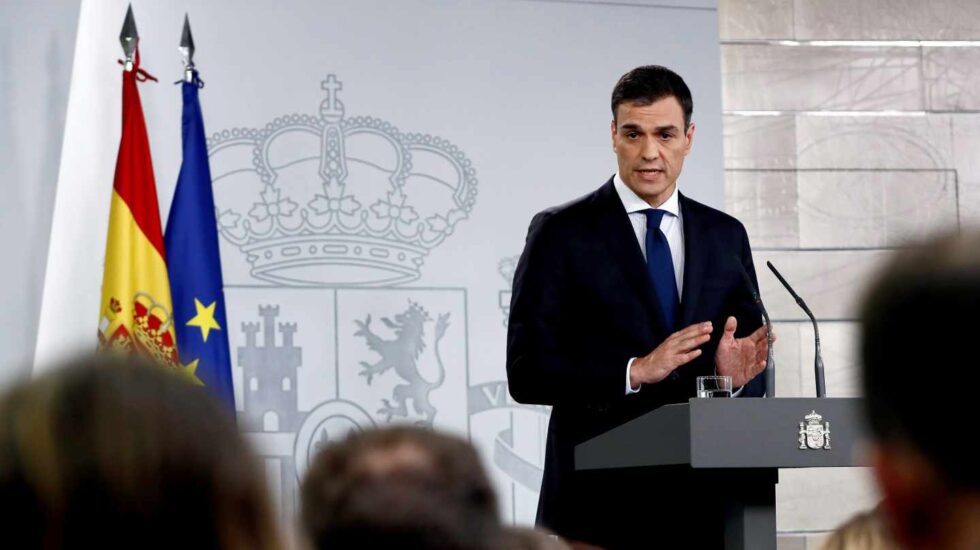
{"x": 269, "y": 373}
{"x": 813, "y": 434}
{"x": 401, "y": 354}
{"x": 333, "y": 201}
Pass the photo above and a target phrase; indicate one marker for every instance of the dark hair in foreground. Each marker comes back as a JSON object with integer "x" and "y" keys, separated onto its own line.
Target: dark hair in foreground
{"x": 921, "y": 322}
{"x": 649, "y": 84}
{"x": 403, "y": 487}
{"x": 114, "y": 452}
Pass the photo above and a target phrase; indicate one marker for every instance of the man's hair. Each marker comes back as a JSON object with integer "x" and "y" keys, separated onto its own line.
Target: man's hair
{"x": 114, "y": 451}
{"x": 651, "y": 83}
{"x": 408, "y": 485}
{"x": 920, "y": 322}
{"x": 864, "y": 531}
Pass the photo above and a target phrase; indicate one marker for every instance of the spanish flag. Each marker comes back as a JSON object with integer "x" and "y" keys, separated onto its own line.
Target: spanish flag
{"x": 136, "y": 312}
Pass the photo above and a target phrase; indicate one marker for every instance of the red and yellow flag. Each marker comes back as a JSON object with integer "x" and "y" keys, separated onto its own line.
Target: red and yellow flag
{"x": 136, "y": 313}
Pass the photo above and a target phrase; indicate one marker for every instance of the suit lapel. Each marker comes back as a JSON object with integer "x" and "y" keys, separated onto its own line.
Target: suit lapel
{"x": 613, "y": 223}
{"x": 695, "y": 261}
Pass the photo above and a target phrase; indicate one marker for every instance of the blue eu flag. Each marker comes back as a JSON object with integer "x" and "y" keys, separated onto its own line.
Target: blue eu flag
{"x": 193, "y": 263}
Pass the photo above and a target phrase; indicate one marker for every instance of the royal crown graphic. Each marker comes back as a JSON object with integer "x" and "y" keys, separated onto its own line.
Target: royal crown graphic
{"x": 328, "y": 200}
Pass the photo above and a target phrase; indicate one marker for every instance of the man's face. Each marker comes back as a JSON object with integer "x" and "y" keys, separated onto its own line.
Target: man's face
{"x": 650, "y": 143}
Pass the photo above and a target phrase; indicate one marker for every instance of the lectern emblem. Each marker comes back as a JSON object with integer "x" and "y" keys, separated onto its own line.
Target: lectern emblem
{"x": 813, "y": 434}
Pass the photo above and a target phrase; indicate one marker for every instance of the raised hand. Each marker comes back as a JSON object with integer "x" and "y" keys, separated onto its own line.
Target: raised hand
{"x": 678, "y": 349}
{"x": 741, "y": 358}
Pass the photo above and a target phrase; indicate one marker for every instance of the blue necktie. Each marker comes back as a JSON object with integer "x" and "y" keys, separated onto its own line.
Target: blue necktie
{"x": 660, "y": 267}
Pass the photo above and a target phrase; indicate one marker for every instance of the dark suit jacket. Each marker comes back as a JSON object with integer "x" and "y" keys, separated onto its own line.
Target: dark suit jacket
{"x": 582, "y": 306}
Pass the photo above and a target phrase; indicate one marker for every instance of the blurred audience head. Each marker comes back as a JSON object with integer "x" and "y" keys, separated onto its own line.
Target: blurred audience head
{"x": 403, "y": 487}
{"x": 920, "y": 323}
{"x": 113, "y": 452}
{"x": 527, "y": 538}
{"x": 865, "y": 531}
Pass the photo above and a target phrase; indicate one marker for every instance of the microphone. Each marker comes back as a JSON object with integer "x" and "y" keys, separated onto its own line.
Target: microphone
{"x": 770, "y": 362}
{"x": 817, "y": 359}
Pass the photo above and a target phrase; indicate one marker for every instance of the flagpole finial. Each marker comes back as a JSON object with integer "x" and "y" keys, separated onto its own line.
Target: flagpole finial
{"x": 128, "y": 37}
{"x": 187, "y": 50}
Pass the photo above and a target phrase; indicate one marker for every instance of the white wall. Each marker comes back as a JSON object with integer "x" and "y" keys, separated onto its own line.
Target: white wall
{"x": 520, "y": 89}
{"x": 36, "y": 43}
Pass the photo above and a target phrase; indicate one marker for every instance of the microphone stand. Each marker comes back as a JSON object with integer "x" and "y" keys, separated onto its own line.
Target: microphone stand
{"x": 818, "y": 373}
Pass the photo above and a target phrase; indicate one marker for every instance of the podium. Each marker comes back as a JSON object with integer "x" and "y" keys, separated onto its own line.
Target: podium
{"x": 742, "y": 441}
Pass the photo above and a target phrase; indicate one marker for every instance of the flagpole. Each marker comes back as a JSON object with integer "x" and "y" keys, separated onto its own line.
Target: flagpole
{"x": 187, "y": 50}
{"x": 129, "y": 39}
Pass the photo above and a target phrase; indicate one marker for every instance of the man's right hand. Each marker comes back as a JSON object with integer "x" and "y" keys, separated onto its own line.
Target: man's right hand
{"x": 678, "y": 349}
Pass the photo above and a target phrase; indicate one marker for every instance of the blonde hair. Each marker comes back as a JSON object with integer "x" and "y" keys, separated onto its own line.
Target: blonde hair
{"x": 865, "y": 531}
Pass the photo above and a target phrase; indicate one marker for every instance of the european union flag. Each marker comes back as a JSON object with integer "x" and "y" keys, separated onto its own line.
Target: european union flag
{"x": 193, "y": 261}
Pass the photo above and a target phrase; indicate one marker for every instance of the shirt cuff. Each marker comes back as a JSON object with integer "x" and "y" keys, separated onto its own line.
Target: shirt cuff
{"x": 629, "y": 389}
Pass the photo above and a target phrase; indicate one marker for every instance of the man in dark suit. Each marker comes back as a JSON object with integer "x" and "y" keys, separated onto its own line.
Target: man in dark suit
{"x": 620, "y": 300}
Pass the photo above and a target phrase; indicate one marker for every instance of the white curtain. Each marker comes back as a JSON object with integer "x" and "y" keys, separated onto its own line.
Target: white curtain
{"x": 37, "y": 38}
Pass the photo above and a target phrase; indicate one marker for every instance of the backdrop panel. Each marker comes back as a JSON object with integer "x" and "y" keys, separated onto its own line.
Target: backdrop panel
{"x": 375, "y": 167}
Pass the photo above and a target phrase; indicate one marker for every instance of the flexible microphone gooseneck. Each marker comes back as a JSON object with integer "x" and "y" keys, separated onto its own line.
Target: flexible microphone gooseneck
{"x": 817, "y": 359}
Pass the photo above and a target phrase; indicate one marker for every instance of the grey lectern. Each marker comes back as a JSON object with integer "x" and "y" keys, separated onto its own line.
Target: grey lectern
{"x": 743, "y": 440}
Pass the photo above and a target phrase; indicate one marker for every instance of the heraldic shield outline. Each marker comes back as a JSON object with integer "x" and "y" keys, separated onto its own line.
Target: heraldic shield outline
{"x": 301, "y": 364}
{"x": 322, "y": 218}
{"x": 814, "y": 435}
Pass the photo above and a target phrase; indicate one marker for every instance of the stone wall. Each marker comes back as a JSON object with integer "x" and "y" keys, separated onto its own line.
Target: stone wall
{"x": 849, "y": 128}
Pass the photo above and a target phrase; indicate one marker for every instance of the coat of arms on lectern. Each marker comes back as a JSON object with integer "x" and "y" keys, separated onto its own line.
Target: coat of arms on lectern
{"x": 813, "y": 434}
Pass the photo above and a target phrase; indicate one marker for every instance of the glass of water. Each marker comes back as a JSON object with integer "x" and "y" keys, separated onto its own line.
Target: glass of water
{"x": 714, "y": 386}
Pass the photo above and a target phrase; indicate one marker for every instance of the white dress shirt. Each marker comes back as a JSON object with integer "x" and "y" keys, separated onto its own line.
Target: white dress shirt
{"x": 672, "y": 226}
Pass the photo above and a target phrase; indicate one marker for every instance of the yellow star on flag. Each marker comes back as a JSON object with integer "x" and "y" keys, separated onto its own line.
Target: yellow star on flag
{"x": 204, "y": 319}
{"x": 190, "y": 371}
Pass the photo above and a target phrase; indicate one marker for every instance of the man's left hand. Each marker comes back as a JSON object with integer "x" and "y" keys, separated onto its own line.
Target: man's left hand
{"x": 741, "y": 358}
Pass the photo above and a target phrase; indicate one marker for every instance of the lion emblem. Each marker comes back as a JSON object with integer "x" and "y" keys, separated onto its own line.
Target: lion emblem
{"x": 402, "y": 354}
